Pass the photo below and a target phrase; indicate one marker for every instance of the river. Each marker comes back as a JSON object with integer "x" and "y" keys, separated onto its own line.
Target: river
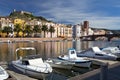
{"x": 48, "y": 49}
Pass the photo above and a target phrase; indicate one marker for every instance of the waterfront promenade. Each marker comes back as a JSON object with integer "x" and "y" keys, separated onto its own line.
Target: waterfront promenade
{"x": 32, "y": 39}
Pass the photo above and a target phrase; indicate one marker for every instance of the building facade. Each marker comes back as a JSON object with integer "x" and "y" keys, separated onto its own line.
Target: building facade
{"x": 5, "y": 21}
{"x": 77, "y": 31}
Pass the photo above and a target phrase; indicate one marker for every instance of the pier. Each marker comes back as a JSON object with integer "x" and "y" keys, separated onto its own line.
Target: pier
{"x": 109, "y": 70}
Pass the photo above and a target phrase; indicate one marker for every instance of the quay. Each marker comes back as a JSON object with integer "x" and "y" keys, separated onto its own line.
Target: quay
{"x": 109, "y": 70}
{"x": 18, "y": 76}
{"x": 32, "y": 39}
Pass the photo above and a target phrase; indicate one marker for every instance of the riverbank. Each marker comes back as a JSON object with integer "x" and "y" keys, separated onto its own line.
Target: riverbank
{"x": 32, "y": 39}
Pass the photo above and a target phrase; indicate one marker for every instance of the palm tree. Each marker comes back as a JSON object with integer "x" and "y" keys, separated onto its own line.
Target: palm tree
{"x": 17, "y": 28}
{"x": 7, "y": 30}
{"x": 37, "y": 29}
{"x": 51, "y": 30}
{"x": 44, "y": 28}
{"x": 28, "y": 30}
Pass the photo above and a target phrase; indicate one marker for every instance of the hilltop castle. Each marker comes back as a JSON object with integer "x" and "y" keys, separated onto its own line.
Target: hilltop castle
{"x": 22, "y": 12}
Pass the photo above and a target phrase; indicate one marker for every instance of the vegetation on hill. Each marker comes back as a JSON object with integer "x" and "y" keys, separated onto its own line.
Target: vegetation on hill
{"x": 26, "y": 16}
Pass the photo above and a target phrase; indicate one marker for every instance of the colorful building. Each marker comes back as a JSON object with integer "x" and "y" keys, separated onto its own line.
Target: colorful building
{"x": 19, "y": 21}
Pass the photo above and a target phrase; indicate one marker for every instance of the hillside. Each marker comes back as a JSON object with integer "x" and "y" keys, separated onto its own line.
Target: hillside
{"x": 25, "y": 15}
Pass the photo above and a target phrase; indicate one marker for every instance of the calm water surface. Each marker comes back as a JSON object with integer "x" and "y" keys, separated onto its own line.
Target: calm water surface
{"x": 50, "y": 49}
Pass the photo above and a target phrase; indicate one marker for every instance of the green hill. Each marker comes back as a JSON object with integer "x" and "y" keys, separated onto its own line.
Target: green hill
{"x": 25, "y": 15}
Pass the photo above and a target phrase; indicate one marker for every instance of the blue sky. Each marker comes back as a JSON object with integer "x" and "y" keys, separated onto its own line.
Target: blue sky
{"x": 100, "y": 13}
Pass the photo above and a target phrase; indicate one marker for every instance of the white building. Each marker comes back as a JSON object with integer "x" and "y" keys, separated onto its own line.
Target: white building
{"x": 4, "y": 21}
{"x": 90, "y": 31}
{"x": 77, "y": 31}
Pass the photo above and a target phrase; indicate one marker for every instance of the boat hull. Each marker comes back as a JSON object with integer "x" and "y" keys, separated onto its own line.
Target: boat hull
{"x": 98, "y": 57}
{"x": 78, "y": 63}
{"x": 61, "y": 66}
{"x": 86, "y": 64}
{"x": 3, "y": 74}
{"x": 56, "y": 63}
{"x": 31, "y": 73}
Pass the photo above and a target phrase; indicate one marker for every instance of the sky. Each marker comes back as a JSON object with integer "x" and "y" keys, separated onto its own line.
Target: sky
{"x": 99, "y": 13}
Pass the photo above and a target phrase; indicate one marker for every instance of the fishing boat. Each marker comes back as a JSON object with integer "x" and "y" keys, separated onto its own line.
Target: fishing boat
{"x": 3, "y": 74}
{"x": 78, "y": 61}
{"x": 95, "y": 52}
{"x": 112, "y": 50}
{"x": 34, "y": 67}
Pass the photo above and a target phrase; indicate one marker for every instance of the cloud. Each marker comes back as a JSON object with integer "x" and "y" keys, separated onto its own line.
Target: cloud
{"x": 77, "y": 12}
{"x": 103, "y": 14}
{"x": 105, "y": 22}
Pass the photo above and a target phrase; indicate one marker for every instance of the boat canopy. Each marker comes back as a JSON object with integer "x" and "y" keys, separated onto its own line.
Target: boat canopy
{"x": 111, "y": 49}
{"x": 72, "y": 53}
{"x": 35, "y": 61}
{"x": 96, "y": 49}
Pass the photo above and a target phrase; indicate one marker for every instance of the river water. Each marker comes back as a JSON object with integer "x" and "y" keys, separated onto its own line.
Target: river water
{"x": 48, "y": 49}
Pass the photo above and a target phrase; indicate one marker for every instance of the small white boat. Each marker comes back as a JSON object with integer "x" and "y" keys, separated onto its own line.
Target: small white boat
{"x": 57, "y": 63}
{"x": 78, "y": 61}
{"x": 34, "y": 67}
{"x": 112, "y": 50}
{"x": 3, "y": 74}
{"x": 95, "y": 52}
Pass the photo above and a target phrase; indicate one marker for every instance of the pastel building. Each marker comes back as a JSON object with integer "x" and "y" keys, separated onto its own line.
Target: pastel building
{"x": 61, "y": 30}
{"x": 99, "y": 32}
{"x": 33, "y": 22}
{"x": 19, "y": 21}
{"x": 77, "y": 32}
{"x": 5, "y": 21}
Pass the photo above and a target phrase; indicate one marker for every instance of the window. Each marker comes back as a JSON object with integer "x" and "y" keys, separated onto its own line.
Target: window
{"x": 72, "y": 52}
{"x": 25, "y": 62}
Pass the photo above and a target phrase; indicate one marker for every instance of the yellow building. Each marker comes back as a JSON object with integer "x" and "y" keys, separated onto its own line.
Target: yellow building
{"x": 19, "y": 21}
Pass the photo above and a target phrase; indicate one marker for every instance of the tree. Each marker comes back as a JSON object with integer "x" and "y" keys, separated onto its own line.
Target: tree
{"x": 17, "y": 28}
{"x": 28, "y": 30}
{"x": 45, "y": 29}
{"x": 51, "y": 30}
{"x": 36, "y": 29}
{"x": 7, "y": 30}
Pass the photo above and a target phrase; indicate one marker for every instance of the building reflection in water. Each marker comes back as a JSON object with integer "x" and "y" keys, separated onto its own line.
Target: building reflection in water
{"x": 46, "y": 49}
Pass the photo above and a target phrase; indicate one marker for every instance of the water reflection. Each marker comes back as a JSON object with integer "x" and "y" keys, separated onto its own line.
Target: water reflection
{"x": 48, "y": 49}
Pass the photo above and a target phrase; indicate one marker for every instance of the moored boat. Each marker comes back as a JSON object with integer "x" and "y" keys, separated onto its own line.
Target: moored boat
{"x": 3, "y": 74}
{"x": 34, "y": 67}
{"x": 95, "y": 52}
{"x": 112, "y": 50}
{"x": 57, "y": 63}
{"x": 78, "y": 61}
